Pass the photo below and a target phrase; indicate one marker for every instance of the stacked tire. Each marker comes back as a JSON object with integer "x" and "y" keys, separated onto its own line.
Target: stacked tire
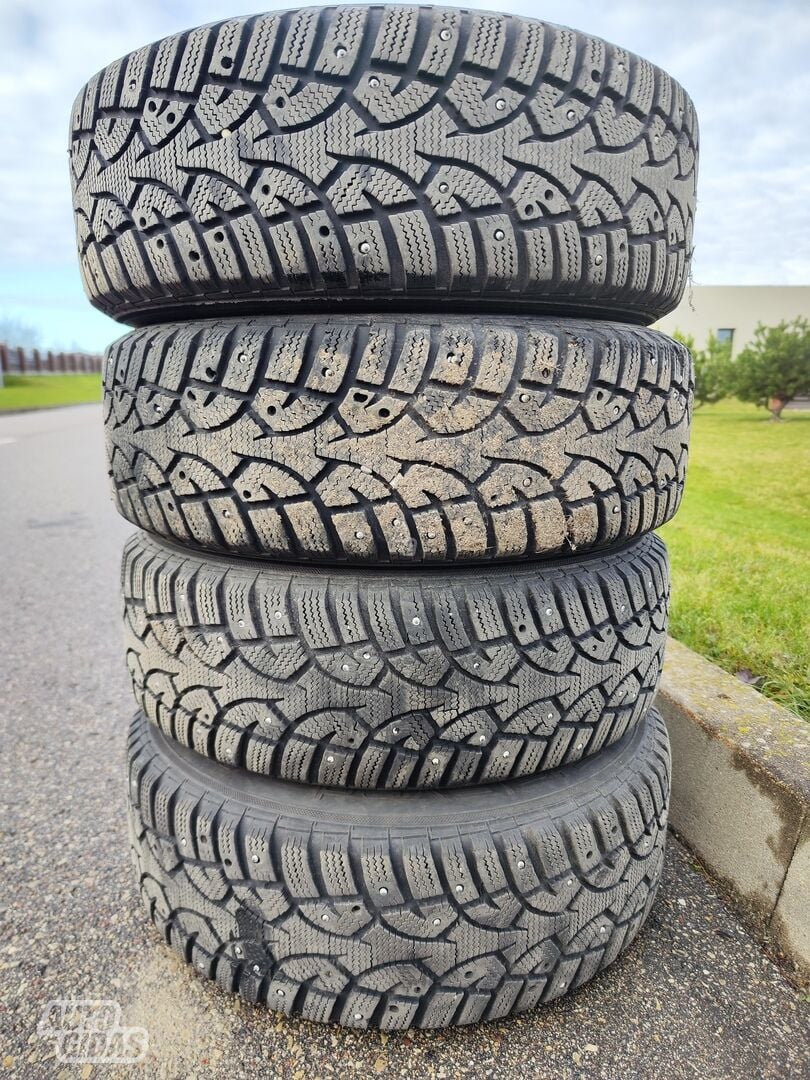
{"x": 396, "y": 613}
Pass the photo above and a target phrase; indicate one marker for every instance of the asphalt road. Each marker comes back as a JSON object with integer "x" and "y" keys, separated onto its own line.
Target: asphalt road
{"x": 693, "y": 997}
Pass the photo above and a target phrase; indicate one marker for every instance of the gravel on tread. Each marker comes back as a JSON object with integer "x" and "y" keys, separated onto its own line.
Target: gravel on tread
{"x": 383, "y": 155}
{"x": 389, "y": 909}
{"x": 397, "y": 440}
{"x": 390, "y": 680}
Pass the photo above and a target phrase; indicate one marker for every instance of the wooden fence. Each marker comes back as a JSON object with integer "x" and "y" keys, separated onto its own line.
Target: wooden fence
{"x": 14, "y": 360}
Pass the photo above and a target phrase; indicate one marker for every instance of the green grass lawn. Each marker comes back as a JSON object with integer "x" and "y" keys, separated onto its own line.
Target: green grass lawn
{"x": 740, "y": 548}
{"x": 40, "y": 391}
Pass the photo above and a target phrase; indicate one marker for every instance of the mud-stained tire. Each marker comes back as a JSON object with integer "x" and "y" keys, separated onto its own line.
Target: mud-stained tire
{"x": 400, "y": 440}
{"x": 375, "y": 680}
{"x": 394, "y": 910}
{"x": 384, "y": 155}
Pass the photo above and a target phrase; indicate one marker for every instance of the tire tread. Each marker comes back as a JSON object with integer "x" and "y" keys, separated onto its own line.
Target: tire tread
{"x": 419, "y": 681}
{"x": 252, "y": 163}
{"x": 533, "y": 898}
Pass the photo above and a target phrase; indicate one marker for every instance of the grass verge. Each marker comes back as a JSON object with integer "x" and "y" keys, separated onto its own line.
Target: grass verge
{"x": 740, "y": 548}
{"x": 42, "y": 391}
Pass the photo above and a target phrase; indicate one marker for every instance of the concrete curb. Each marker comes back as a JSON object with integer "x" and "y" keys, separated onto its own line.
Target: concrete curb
{"x": 741, "y": 796}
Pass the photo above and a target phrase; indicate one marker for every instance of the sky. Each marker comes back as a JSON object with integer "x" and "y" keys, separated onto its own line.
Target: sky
{"x": 745, "y": 64}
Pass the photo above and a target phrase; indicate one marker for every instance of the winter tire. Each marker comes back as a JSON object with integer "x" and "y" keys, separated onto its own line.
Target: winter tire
{"x": 400, "y": 440}
{"x": 392, "y": 680}
{"x": 393, "y": 910}
{"x": 360, "y": 156}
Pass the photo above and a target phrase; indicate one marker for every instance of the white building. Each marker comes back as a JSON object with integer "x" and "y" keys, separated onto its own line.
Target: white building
{"x": 733, "y": 311}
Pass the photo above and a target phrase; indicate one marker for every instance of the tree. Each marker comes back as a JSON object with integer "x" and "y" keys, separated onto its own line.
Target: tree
{"x": 774, "y": 367}
{"x": 713, "y": 368}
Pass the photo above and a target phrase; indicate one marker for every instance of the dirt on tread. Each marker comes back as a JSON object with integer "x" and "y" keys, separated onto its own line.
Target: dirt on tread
{"x": 397, "y": 440}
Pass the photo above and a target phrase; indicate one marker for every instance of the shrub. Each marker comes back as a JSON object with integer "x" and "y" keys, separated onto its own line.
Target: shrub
{"x": 775, "y": 367}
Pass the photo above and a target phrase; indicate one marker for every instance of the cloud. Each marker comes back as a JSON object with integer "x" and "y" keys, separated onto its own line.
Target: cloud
{"x": 745, "y": 65}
